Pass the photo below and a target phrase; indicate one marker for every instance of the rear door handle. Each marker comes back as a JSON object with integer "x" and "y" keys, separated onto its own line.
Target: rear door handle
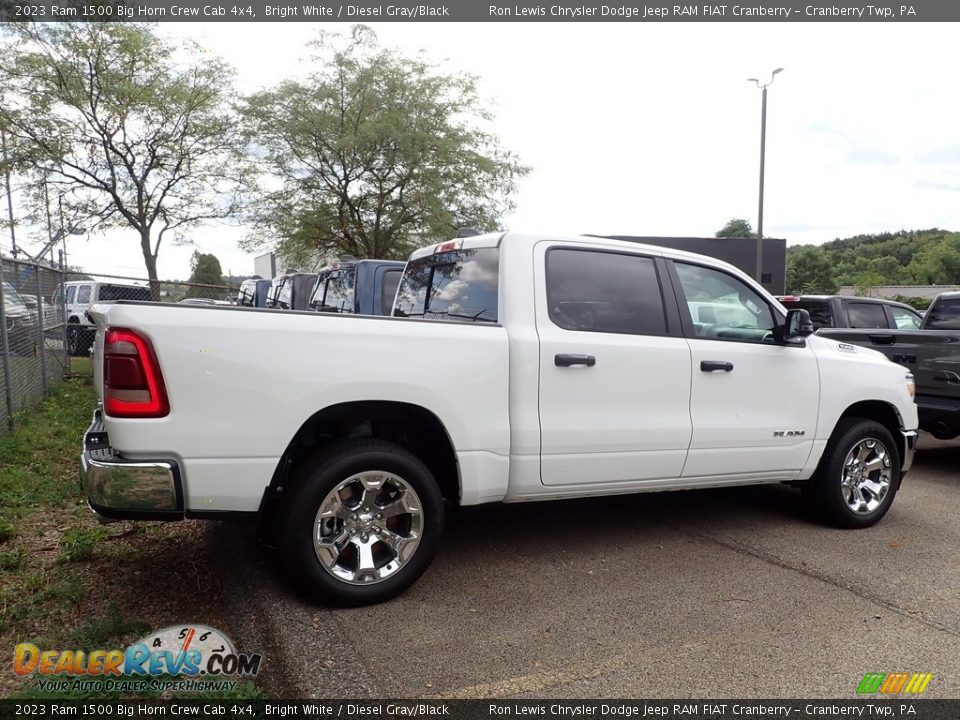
{"x": 568, "y": 360}
{"x": 714, "y": 365}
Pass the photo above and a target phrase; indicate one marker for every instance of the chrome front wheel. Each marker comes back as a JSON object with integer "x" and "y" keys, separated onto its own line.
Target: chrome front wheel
{"x": 866, "y": 476}
{"x": 859, "y": 474}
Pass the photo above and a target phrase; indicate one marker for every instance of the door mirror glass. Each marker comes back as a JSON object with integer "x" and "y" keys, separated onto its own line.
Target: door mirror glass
{"x": 797, "y": 325}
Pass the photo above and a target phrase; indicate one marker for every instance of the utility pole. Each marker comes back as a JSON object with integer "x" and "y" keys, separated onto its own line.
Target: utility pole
{"x": 763, "y": 154}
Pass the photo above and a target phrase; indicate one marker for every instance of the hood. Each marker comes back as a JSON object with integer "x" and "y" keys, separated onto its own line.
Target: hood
{"x": 828, "y": 346}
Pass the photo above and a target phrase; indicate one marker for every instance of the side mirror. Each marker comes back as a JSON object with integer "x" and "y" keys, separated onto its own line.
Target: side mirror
{"x": 797, "y": 325}
{"x": 30, "y": 302}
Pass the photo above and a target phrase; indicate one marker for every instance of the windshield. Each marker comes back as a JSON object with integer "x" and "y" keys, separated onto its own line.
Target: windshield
{"x": 11, "y": 296}
{"x": 460, "y": 285}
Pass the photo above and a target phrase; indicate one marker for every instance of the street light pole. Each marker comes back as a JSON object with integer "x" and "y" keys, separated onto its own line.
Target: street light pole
{"x": 763, "y": 155}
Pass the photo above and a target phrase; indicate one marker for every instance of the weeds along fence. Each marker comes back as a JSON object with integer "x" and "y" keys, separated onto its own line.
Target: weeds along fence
{"x": 48, "y": 333}
{"x": 33, "y": 343}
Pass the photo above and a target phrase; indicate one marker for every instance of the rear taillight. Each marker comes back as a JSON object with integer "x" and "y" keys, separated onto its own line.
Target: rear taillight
{"x": 132, "y": 384}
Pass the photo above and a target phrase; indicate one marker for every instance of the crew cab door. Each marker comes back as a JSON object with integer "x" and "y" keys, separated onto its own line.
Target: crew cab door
{"x": 614, "y": 395}
{"x": 753, "y": 402}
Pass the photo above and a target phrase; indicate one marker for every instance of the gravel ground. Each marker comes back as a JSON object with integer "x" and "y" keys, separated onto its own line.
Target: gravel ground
{"x": 721, "y": 593}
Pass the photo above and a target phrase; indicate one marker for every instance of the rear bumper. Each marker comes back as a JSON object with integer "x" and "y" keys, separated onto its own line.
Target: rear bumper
{"x": 121, "y": 489}
{"x": 909, "y": 449}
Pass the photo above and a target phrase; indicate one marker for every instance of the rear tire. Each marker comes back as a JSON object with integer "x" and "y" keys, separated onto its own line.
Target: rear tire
{"x": 362, "y": 522}
{"x": 858, "y": 477}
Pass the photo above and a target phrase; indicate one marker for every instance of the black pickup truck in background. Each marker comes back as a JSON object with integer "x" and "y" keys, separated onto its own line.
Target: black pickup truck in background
{"x": 931, "y": 352}
{"x": 845, "y": 311}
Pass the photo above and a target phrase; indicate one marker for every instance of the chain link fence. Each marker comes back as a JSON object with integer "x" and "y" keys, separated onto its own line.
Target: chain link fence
{"x": 48, "y": 332}
{"x": 33, "y": 341}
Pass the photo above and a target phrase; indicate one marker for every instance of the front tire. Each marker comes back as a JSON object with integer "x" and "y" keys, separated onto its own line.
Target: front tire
{"x": 858, "y": 476}
{"x": 362, "y": 523}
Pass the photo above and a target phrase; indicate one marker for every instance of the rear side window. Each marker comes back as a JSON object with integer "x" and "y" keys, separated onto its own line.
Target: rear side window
{"x": 604, "y": 292}
{"x": 460, "y": 285}
{"x": 111, "y": 293}
{"x": 388, "y": 290}
{"x": 821, "y": 313}
{"x": 338, "y": 297}
{"x": 904, "y": 318}
{"x": 944, "y": 315}
{"x": 83, "y": 294}
{"x": 866, "y": 315}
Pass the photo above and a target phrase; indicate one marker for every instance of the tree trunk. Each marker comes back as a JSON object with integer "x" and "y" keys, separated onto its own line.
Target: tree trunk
{"x": 151, "y": 262}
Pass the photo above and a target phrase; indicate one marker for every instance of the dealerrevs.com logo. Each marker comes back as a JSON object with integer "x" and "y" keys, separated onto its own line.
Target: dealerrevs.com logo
{"x": 894, "y": 683}
{"x": 180, "y": 657}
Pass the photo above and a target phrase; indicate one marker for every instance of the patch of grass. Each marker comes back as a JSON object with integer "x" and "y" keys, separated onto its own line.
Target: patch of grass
{"x": 7, "y": 530}
{"x": 11, "y": 560}
{"x": 103, "y": 631}
{"x": 78, "y": 543}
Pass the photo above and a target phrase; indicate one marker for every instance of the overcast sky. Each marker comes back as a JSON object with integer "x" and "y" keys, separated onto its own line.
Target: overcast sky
{"x": 652, "y": 129}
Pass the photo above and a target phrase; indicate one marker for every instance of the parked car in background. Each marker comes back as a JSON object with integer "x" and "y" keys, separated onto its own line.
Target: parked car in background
{"x": 357, "y": 287}
{"x": 845, "y": 311}
{"x": 515, "y": 368}
{"x": 82, "y": 295}
{"x": 253, "y": 292}
{"x": 931, "y": 351}
{"x": 23, "y": 333}
{"x": 291, "y": 291}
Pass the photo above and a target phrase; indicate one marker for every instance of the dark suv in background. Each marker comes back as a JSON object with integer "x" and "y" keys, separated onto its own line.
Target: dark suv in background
{"x": 845, "y": 311}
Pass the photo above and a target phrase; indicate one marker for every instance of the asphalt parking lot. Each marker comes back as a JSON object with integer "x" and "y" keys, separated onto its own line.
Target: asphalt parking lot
{"x": 722, "y": 593}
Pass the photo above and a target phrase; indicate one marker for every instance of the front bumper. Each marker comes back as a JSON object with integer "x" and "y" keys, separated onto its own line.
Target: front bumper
{"x": 121, "y": 489}
{"x": 909, "y": 449}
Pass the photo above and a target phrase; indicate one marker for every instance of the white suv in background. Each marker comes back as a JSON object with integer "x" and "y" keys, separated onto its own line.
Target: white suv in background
{"x": 81, "y": 296}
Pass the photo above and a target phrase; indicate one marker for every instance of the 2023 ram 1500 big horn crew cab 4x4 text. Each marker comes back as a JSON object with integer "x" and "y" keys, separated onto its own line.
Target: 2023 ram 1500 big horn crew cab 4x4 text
{"x": 518, "y": 367}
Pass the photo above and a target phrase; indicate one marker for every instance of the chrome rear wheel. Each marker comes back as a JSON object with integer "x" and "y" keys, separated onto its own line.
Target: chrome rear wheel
{"x": 368, "y": 527}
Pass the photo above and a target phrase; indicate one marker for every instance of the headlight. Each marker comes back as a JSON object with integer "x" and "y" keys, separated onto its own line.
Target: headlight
{"x": 911, "y": 386}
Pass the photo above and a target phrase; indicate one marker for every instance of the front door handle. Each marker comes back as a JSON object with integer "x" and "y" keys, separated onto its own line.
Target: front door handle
{"x": 714, "y": 365}
{"x": 568, "y": 360}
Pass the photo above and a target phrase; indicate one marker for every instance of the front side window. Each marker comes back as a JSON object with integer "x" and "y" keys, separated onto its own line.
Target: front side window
{"x": 610, "y": 292}
{"x": 723, "y": 307}
{"x": 71, "y": 294}
{"x": 866, "y": 315}
{"x": 459, "y": 285}
{"x": 904, "y": 318}
{"x": 83, "y": 294}
{"x": 110, "y": 293}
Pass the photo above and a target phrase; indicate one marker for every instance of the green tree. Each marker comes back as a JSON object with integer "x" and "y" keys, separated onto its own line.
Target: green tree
{"x": 736, "y": 228}
{"x": 132, "y": 130}
{"x": 375, "y": 153}
{"x": 206, "y": 276}
{"x": 809, "y": 271}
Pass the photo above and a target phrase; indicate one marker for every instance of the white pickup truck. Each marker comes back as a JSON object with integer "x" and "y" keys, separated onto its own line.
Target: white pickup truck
{"x": 516, "y": 367}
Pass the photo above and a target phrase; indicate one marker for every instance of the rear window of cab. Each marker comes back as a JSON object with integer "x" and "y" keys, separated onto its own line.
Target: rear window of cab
{"x": 460, "y": 285}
